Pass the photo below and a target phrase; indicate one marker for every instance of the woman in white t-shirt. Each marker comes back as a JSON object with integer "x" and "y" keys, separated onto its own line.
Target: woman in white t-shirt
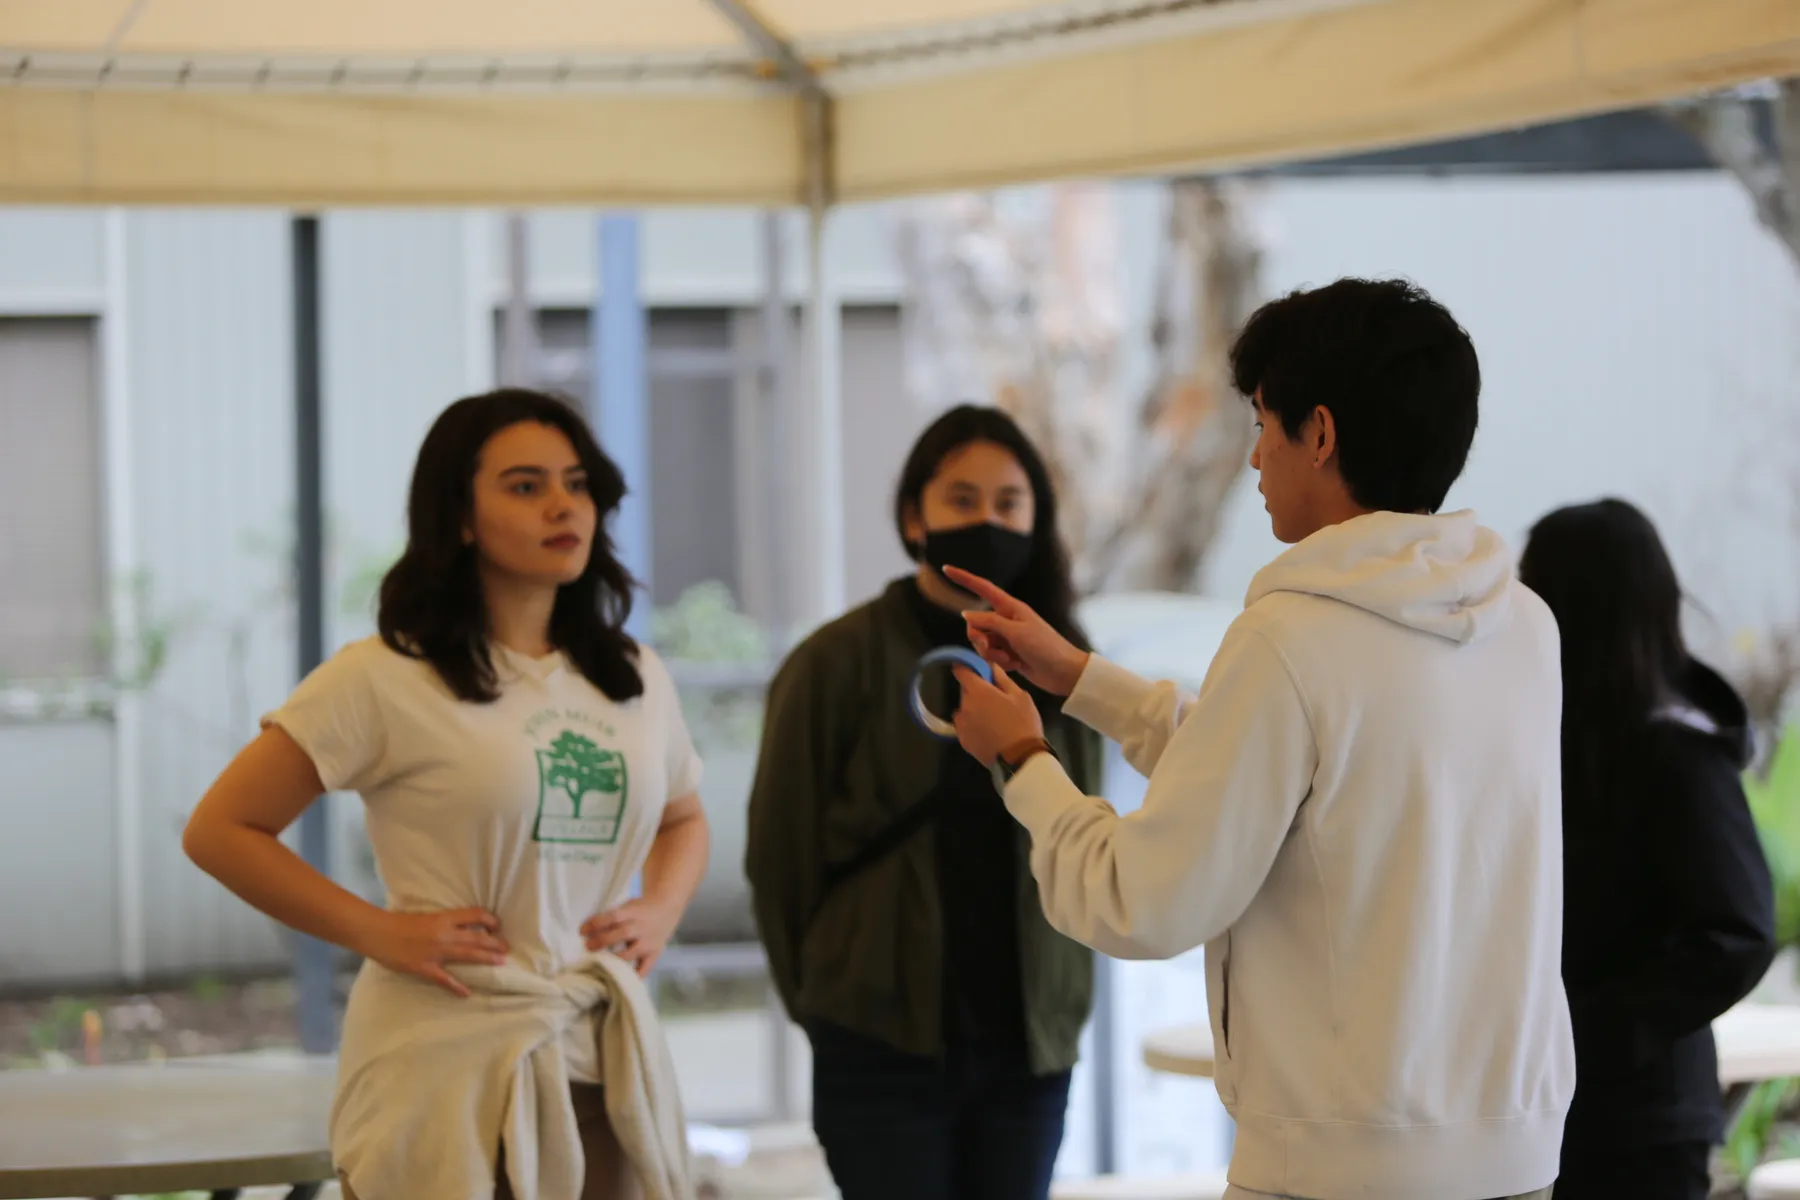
{"x": 521, "y": 758}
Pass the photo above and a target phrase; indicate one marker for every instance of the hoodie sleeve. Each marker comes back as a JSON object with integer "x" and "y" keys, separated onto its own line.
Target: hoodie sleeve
{"x": 1226, "y": 782}
{"x": 1139, "y": 715}
{"x": 1719, "y": 923}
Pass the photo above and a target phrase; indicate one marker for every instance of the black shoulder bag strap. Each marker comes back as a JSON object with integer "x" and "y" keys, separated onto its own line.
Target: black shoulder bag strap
{"x": 892, "y": 836}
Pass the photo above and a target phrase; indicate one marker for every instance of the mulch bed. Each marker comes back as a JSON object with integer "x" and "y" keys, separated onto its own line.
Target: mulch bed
{"x": 205, "y": 1017}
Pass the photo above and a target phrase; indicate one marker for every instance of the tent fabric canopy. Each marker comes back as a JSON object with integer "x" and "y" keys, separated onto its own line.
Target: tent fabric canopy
{"x": 765, "y": 102}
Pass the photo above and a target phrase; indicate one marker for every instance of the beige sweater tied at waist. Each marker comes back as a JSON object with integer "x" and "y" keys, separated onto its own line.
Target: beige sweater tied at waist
{"x": 431, "y": 1086}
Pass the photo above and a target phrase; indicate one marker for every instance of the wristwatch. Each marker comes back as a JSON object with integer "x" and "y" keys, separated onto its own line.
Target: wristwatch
{"x": 1012, "y": 760}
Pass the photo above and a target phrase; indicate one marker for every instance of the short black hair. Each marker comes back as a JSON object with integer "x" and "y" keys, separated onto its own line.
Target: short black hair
{"x": 1397, "y": 372}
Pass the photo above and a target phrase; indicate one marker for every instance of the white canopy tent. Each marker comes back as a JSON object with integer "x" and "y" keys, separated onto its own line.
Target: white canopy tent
{"x": 772, "y": 102}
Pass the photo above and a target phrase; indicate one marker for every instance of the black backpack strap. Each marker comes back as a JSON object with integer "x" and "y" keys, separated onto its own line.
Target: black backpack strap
{"x": 890, "y": 839}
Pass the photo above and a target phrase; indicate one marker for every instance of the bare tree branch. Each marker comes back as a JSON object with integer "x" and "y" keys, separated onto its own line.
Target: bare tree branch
{"x": 1768, "y": 674}
{"x": 1725, "y": 125}
{"x": 1199, "y": 433}
{"x": 1025, "y": 314}
{"x": 1021, "y": 310}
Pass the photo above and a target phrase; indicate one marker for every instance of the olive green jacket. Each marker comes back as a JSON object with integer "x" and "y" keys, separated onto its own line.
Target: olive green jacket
{"x": 841, "y": 759}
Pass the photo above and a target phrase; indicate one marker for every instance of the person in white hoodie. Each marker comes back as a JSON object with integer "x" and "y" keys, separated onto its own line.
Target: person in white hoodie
{"x": 1359, "y": 814}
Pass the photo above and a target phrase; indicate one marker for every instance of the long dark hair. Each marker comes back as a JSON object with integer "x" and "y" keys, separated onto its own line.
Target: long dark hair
{"x": 432, "y": 605}
{"x": 1046, "y": 582}
{"x": 1607, "y": 579}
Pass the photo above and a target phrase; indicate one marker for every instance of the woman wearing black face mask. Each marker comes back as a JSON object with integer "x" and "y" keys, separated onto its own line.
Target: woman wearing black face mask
{"x": 892, "y": 889}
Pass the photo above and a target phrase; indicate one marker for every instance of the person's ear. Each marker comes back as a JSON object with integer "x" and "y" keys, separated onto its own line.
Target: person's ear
{"x": 1322, "y": 435}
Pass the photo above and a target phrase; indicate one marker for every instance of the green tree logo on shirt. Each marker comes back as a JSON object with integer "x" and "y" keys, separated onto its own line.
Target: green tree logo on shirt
{"x": 581, "y": 791}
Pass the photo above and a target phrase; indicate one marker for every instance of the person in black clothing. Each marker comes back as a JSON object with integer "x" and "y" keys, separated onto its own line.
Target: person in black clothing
{"x": 892, "y": 889}
{"x": 1668, "y": 908}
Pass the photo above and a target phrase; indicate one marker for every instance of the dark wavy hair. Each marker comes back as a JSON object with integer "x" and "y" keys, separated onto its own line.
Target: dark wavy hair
{"x": 432, "y": 607}
{"x": 1047, "y": 582}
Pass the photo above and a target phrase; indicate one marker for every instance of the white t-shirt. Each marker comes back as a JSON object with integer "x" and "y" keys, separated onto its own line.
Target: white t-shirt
{"x": 539, "y": 807}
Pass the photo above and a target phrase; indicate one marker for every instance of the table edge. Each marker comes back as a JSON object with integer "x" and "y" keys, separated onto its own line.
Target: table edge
{"x": 218, "y": 1174}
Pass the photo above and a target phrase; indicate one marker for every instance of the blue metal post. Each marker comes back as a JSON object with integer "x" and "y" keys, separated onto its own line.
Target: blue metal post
{"x": 619, "y": 404}
{"x": 315, "y": 962}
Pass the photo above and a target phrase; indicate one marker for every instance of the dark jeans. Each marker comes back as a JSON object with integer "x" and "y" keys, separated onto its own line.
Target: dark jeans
{"x": 895, "y": 1126}
{"x": 1673, "y": 1171}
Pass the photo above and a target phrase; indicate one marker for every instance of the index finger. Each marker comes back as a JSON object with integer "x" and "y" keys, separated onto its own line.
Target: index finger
{"x": 606, "y": 923}
{"x": 477, "y": 917}
{"x": 996, "y": 597}
{"x": 476, "y": 940}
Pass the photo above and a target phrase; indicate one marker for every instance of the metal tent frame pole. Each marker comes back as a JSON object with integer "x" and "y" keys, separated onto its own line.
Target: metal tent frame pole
{"x": 816, "y": 497}
{"x": 819, "y": 441}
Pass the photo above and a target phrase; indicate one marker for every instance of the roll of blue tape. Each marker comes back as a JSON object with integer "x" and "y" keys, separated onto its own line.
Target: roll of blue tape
{"x": 929, "y": 721}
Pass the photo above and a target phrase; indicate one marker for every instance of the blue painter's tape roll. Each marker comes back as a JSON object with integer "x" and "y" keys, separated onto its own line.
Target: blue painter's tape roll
{"x": 929, "y": 721}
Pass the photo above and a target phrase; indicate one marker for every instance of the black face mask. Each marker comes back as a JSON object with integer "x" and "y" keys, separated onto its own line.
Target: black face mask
{"x": 990, "y": 551}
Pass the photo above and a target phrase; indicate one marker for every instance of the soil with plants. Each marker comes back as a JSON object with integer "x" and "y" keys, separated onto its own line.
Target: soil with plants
{"x": 206, "y": 1016}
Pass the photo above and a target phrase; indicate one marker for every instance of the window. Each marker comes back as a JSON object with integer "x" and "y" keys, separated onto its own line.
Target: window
{"x": 52, "y": 554}
{"x": 881, "y": 423}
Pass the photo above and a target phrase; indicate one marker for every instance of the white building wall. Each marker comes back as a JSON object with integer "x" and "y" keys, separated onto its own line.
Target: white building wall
{"x": 56, "y": 777}
{"x": 207, "y": 313}
{"x": 52, "y": 262}
{"x": 1637, "y": 337}
{"x": 396, "y": 316}
{"x": 705, "y": 257}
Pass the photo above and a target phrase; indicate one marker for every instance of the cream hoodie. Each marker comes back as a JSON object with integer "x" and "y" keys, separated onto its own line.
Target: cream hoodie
{"x": 1360, "y": 817}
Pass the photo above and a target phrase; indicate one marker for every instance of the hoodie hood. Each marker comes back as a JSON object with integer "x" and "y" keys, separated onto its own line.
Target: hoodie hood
{"x": 1443, "y": 575}
{"x": 1711, "y": 706}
